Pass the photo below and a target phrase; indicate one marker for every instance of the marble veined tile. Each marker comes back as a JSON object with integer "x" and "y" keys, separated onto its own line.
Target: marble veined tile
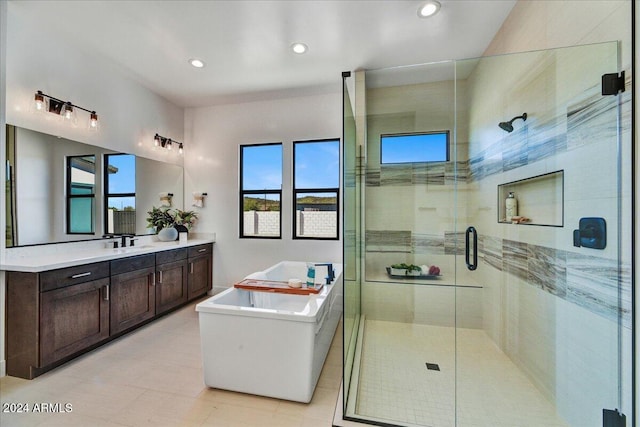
{"x": 514, "y": 258}
{"x": 593, "y": 283}
{"x": 546, "y": 138}
{"x": 515, "y": 149}
{"x": 454, "y": 242}
{"x": 491, "y": 250}
{"x": 428, "y": 173}
{"x": 372, "y": 178}
{"x": 396, "y": 174}
{"x": 547, "y": 269}
{"x": 428, "y": 244}
{"x": 388, "y": 241}
{"x": 592, "y": 118}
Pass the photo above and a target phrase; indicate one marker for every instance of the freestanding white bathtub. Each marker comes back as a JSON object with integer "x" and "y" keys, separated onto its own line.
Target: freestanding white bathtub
{"x": 266, "y": 343}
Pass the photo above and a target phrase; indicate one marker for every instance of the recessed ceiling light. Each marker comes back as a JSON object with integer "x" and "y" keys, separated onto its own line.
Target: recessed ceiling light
{"x": 198, "y": 63}
{"x": 428, "y": 8}
{"x": 299, "y": 48}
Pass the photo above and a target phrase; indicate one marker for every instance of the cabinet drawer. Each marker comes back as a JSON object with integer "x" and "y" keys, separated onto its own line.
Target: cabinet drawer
{"x": 55, "y": 279}
{"x": 195, "y": 251}
{"x": 171, "y": 256}
{"x": 133, "y": 263}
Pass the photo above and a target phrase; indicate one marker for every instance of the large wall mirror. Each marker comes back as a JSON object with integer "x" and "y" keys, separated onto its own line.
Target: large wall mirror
{"x": 59, "y": 190}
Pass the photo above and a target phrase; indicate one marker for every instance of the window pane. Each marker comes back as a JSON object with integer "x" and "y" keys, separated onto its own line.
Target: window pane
{"x": 81, "y": 213}
{"x": 317, "y": 164}
{"x": 83, "y": 175}
{"x": 121, "y": 173}
{"x": 317, "y": 215}
{"x": 121, "y": 215}
{"x": 262, "y": 167}
{"x": 261, "y": 215}
{"x": 415, "y": 148}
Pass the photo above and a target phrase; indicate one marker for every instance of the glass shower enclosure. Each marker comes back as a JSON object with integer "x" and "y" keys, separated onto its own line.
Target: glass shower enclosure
{"x": 462, "y": 309}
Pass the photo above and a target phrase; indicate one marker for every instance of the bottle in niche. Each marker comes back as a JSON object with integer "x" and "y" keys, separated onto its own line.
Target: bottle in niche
{"x": 511, "y": 206}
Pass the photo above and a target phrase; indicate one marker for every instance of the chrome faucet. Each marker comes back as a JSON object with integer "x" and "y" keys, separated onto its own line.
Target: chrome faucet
{"x": 331, "y": 275}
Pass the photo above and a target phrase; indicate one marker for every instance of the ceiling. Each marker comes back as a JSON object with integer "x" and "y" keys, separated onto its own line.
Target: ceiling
{"x": 246, "y": 44}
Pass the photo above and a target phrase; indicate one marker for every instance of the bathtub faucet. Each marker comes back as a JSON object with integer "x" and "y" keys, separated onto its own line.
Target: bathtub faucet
{"x": 330, "y": 273}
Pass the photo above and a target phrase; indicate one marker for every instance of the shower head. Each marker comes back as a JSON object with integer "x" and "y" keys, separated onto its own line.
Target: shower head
{"x": 508, "y": 126}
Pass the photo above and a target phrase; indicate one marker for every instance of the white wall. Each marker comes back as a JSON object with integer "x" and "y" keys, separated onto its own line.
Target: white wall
{"x": 130, "y": 114}
{"x": 213, "y": 135}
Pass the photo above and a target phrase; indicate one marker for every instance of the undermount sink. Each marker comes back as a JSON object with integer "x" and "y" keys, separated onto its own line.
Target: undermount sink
{"x": 130, "y": 249}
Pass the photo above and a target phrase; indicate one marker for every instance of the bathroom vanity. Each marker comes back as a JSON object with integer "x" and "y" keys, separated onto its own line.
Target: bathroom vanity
{"x": 63, "y": 307}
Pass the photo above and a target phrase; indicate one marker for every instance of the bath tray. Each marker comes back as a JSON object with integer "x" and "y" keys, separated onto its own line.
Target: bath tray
{"x": 421, "y": 277}
{"x": 273, "y": 286}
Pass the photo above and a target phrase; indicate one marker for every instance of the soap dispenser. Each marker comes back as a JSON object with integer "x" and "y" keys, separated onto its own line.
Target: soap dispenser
{"x": 511, "y": 206}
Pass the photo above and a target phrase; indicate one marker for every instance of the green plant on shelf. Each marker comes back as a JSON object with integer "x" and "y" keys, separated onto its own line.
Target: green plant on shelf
{"x": 408, "y": 267}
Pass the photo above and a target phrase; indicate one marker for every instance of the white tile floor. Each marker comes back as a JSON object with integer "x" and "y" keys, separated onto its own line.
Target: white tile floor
{"x": 396, "y": 387}
{"x": 153, "y": 377}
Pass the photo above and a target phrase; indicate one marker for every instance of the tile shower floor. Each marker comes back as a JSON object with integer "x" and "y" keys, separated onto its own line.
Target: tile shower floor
{"x": 153, "y": 377}
{"x": 395, "y": 385}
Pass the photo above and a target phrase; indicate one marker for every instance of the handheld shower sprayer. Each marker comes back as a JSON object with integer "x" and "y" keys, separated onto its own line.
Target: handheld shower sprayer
{"x": 508, "y": 126}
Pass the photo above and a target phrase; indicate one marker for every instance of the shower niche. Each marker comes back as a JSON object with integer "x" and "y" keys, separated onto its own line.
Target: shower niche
{"x": 540, "y": 200}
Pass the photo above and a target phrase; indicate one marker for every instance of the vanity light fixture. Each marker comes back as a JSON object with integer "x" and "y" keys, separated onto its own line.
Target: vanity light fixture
{"x": 428, "y": 8}
{"x": 167, "y": 143}
{"x": 299, "y": 48}
{"x": 66, "y": 109}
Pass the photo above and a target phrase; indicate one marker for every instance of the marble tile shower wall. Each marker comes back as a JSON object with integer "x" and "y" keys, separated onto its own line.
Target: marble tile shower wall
{"x": 588, "y": 281}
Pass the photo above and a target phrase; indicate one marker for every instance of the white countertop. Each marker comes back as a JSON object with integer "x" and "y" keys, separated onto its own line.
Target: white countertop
{"x": 69, "y": 255}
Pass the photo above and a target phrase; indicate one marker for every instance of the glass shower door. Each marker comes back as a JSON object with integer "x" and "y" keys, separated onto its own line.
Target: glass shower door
{"x": 554, "y": 303}
{"x": 537, "y": 332}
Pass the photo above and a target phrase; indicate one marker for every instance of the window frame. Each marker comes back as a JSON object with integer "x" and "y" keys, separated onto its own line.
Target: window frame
{"x": 71, "y": 196}
{"x": 446, "y": 132}
{"x": 106, "y": 193}
{"x": 331, "y": 190}
{"x": 242, "y": 192}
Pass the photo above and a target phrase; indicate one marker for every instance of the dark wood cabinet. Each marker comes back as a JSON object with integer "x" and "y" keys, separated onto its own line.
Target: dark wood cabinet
{"x": 171, "y": 280}
{"x": 133, "y": 294}
{"x": 53, "y": 316}
{"x": 200, "y": 270}
{"x": 72, "y": 319}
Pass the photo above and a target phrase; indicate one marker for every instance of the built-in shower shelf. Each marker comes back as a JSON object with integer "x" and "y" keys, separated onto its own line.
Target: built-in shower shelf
{"x": 540, "y": 199}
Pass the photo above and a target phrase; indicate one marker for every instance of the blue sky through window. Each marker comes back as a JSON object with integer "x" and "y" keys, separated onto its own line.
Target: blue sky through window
{"x": 317, "y": 164}
{"x": 426, "y": 147}
{"x": 262, "y": 167}
{"x": 124, "y": 180}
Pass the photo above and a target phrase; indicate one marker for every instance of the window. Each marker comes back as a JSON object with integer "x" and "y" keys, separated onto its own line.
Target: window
{"x": 81, "y": 183}
{"x": 415, "y": 148}
{"x": 261, "y": 191}
{"x": 316, "y": 182}
{"x": 120, "y": 193}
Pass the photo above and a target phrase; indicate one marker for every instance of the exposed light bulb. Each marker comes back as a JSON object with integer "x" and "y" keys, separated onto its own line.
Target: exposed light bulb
{"x": 180, "y": 150}
{"x": 93, "y": 121}
{"x": 68, "y": 111}
{"x": 39, "y": 101}
{"x": 156, "y": 140}
{"x": 169, "y": 144}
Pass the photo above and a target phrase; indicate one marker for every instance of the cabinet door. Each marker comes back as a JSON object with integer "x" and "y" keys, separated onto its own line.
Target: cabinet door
{"x": 171, "y": 285}
{"x": 199, "y": 276}
{"x": 133, "y": 299}
{"x": 72, "y": 319}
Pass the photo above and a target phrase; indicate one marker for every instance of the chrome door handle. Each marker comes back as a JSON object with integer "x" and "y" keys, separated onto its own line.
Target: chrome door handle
{"x": 76, "y": 276}
{"x": 105, "y": 292}
{"x": 153, "y": 278}
{"x": 191, "y": 268}
{"x": 160, "y": 279}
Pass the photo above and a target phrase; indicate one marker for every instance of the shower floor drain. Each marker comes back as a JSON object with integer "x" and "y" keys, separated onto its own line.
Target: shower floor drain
{"x": 433, "y": 366}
